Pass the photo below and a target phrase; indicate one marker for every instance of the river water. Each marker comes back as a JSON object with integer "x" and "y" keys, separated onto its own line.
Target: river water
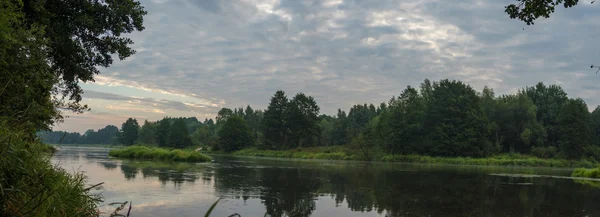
{"x": 299, "y": 188}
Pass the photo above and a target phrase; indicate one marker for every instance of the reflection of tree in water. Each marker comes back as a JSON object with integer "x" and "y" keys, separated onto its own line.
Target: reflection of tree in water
{"x": 108, "y": 165}
{"x": 165, "y": 172}
{"x": 129, "y": 171}
{"x": 292, "y": 191}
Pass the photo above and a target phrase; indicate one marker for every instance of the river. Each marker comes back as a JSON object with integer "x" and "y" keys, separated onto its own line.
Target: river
{"x": 300, "y": 188}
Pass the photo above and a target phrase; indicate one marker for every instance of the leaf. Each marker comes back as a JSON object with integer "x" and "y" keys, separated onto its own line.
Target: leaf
{"x": 211, "y": 208}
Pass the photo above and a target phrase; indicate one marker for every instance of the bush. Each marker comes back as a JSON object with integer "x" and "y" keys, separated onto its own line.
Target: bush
{"x": 544, "y": 152}
{"x": 586, "y": 173}
{"x": 32, "y": 186}
{"x": 144, "y": 152}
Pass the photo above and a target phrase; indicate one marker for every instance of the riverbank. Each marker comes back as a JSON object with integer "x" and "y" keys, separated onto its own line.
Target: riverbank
{"x": 587, "y": 173}
{"x": 144, "y": 152}
{"x": 341, "y": 153}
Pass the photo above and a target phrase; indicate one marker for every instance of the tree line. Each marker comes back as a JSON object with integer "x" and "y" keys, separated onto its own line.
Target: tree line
{"x": 442, "y": 118}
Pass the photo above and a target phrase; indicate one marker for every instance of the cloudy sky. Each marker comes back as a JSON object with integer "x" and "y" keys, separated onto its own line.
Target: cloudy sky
{"x": 197, "y": 56}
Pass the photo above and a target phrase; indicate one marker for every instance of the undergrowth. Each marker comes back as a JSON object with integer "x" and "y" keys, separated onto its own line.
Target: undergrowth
{"x": 31, "y": 186}
{"x": 343, "y": 153}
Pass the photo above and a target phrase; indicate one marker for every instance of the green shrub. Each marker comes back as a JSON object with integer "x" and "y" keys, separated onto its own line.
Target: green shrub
{"x": 586, "y": 173}
{"x": 143, "y": 152}
{"x": 31, "y": 186}
{"x": 544, "y": 152}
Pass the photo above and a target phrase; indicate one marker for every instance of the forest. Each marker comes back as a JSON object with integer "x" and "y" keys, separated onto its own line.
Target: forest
{"x": 446, "y": 118}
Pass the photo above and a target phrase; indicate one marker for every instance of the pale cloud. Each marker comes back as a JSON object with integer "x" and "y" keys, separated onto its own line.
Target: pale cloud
{"x": 200, "y": 55}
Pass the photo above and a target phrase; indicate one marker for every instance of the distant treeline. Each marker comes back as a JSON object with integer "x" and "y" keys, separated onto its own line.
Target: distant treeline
{"x": 106, "y": 135}
{"x": 444, "y": 118}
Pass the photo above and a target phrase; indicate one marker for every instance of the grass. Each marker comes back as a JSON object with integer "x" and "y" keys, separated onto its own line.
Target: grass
{"x": 144, "y": 152}
{"x": 343, "y": 153}
{"x": 586, "y": 173}
{"x": 31, "y": 186}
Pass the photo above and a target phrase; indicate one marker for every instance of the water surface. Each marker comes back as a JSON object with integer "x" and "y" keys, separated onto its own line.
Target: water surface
{"x": 300, "y": 188}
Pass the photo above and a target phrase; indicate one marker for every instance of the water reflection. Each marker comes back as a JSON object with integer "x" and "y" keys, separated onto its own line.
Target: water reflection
{"x": 302, "y": 189}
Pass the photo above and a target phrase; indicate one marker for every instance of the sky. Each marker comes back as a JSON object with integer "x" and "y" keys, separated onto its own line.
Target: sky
{"x": 197, "y": 56}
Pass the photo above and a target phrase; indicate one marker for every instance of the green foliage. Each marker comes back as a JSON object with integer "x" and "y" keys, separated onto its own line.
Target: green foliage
{"x": 31, "y": 186}
{"x": 129, "y": 132}
{"x": 402, "y": 124}
{"x": 144, "y": 152}
{"x": 302, "y": 119}
{"x": 574, "y": 128}
{"x": 274, "y": 122}
{"x": 587, "y": 173}
{"x": 148, "y": 133}
{"x": 544, "y": 152}
{"x": 235, "y": 134}
{"x": 530, "y": 10}
{"x": 178, "y": 135}
{"x": 76, "y": 47}
{"x": 455, "y": 121}
{"x": 162, "y": 132}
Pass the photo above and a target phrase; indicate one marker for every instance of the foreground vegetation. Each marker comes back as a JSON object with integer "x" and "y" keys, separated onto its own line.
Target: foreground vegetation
{"x": 341, "y": 153}
{"x": 31, "y": 186}
{"x": 144, "y": 152}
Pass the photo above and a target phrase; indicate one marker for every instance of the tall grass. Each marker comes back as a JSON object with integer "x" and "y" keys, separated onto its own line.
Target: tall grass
{"x": 343, "y": 153}
{"x": 144, "y": 152}
{"x": 586, "y": 173}
{"x": 31, "y": 186}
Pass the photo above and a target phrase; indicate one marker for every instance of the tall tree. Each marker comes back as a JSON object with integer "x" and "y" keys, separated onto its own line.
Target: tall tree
{"x": 148, "y": 133}
{"x": 178, "y": 135}
{"x": 455, "y": 121}
{"x": 574, "y": 128}
{"x": 515, "y": 116}
{"x": 129, "y": 131}
{"x": 595, "y": 125}
{"x": 548, "y": 101}
{"x": 235, "y": 134}
{"x": 402, "y": 125}
{"x": 82, "y": 36}
{"x": 302, "y": 118}
{"x": 162, "y": 132}
{"x": 274, "y": 121}
{"x": 223, "y": 114}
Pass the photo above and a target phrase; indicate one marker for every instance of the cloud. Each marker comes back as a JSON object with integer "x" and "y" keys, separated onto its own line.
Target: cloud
{"x": 231, "y": 53}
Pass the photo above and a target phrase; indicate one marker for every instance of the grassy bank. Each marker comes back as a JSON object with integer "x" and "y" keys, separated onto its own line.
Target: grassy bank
{"x": 341, "y": 153}
{"x": 31, "y": 186}
{"x": 586, "y": 173}
{"x": 144, "y": 152}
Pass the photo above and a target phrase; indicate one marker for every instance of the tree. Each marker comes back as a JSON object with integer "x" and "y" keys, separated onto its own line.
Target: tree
{"x": 402, "y": 125}
{"x": 129, "y": 131}
{"x": 148, "y": 133}
{"x": 25, "y": 78}
{"x": 274, "y": 121}
{"x": 162, "y": 132}
{"x": 302, "y": 118}
{"x": 548, "y": 101}
{"x": 530, "y": 10}
{"x": 455, "y": 121}
{"x": 223, "y": 114}
{"x": 574, "y": 129}
{"x": 203, "y": 136}
{"x": 516, "y": 118}
{"x": 80, "y": 37}
{"x": 235, "y": 134}
{"x": 595, "y": 127}
{"x": 178, "y": 135}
